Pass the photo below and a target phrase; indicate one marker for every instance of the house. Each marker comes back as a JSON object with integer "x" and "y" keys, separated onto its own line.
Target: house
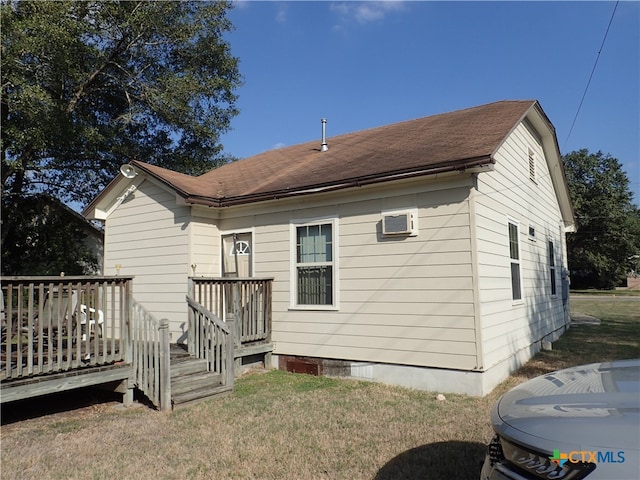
{"x": 45, "y": 222}
{"x": 428, "y": 253}
{"x": 94, "y": 236}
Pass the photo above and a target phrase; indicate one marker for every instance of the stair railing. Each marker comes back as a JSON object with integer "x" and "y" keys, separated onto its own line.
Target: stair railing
{"x": 211, "y": 339}
{"x": 245, "y": 300}
{"x": 151, "y": 357}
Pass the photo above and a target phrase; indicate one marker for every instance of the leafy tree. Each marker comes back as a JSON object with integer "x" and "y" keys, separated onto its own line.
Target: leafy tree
{"x": 601, "y": 251}
{"x": 89, "y": 85}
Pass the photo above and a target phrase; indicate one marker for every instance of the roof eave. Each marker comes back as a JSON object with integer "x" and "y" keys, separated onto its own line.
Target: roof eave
{"x": 180, "y": 191}
{"x": 93, "y": 211}
{"x": 485, "y": 161}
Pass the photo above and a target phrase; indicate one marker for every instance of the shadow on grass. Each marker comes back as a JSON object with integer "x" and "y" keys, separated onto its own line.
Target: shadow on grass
{"x": 57, "y": 403}
{"x": 436, "y": 461}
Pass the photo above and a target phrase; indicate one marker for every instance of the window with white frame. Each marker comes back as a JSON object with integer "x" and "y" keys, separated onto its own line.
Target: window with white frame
{"x": 552, "y": 267}
{"x": 514, "y": 255}
{"x": 315, "y": 264}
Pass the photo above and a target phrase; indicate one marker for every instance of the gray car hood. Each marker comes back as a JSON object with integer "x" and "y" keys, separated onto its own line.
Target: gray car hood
{"x": 594, "y": 406}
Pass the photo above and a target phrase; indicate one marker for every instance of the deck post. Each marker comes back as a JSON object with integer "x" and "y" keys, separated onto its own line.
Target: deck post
{"x": 127, "y": 334}
{"x": 165, "y": 366}
{"x": 127, "y": 338}
{"x": 229, "y": 361}
{"x": 125, "y": 387}
{"x": 191, "y": 288}
{"x": 236, "y": 327}
{"x": 237, "y": 314}
{"x": 127, "y": 397}
{"x": 191, "y": 342}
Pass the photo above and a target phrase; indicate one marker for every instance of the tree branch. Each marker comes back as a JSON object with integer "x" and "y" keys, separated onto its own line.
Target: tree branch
{"x": 116, "y": 51}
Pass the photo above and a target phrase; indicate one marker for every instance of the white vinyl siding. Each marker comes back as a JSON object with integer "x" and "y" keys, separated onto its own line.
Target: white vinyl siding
{"x": 148, "y": 238}
{"x": 205, "y": 246}
{"x": 406, "y": 300}
{"x": 507, "y": 192}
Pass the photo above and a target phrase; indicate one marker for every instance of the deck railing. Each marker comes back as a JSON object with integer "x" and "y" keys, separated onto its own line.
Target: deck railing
{"x": 56, "y": 324}
{"x": 151, "y": 356}
{"x": 246, "y": 301}
{"x": 211, "y": 339}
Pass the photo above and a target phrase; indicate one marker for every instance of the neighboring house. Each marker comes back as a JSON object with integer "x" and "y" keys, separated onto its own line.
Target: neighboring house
{"x": 43, "y": 209}
{"x": 94, "y": 239}
{"x": 429, "y": 253}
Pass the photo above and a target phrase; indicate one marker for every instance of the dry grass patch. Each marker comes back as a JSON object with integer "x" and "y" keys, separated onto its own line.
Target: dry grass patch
{"x": 286, "y": 426}
{"x": 277, "y": 425}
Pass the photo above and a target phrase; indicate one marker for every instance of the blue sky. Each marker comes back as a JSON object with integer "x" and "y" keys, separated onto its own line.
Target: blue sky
{"x": 367, "y": 64}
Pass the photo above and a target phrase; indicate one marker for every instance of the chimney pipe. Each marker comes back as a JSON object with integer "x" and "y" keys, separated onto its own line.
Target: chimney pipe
{"x": 324, "y": 146}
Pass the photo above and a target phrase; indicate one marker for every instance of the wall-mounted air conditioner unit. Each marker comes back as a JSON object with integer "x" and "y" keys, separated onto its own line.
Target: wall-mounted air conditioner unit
{"x": 399, "y": 223}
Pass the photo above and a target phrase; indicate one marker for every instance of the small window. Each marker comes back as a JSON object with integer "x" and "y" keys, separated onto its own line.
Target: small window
{"x": 552, "y": 267}
{"x": 532, "y": 232}
{"x": 532, "y": 166}
{"x": 514, "y": 255}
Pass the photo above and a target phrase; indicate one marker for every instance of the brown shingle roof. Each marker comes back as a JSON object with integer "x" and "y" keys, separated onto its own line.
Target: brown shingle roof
{"x": 448, "y": 141}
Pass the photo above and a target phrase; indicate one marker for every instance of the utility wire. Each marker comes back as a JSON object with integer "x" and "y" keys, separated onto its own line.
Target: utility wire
{"x": 592, "y": 72}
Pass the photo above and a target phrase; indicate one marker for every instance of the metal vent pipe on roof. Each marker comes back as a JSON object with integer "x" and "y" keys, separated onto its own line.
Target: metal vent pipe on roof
{"x": 324, "y": 146}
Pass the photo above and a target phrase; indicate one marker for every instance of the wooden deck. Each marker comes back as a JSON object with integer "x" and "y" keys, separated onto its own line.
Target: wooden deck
{"x": 64, "y": 333}
{"x": 118, "y": 375}
{"x": 20, "y": 364}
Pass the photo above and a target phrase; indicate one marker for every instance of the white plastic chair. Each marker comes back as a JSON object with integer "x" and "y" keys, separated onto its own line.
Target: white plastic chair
{"x": 92, "y": 320}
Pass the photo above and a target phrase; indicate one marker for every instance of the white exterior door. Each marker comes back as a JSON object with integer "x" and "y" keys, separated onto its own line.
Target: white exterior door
{"x": 237, "y": 255}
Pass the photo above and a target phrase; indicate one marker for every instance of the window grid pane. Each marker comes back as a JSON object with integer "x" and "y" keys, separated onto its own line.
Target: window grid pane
{"x": 314, "y": 244}
{"x": 314, "y": 285}
{"x": 513, "y": 241}
{"x": 516, "y": 291}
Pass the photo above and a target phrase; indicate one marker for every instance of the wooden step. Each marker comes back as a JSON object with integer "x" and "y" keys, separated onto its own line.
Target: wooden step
{"x": 187, "y": 366}
{"x": 191, "y": 381}
{"x": 178, "y": 350}
{"x": 194, "y": 396}
{"x": 194, "y": 381}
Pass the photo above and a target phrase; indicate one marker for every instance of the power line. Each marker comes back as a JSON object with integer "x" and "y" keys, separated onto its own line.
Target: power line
{"x": 592, "y": 72}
